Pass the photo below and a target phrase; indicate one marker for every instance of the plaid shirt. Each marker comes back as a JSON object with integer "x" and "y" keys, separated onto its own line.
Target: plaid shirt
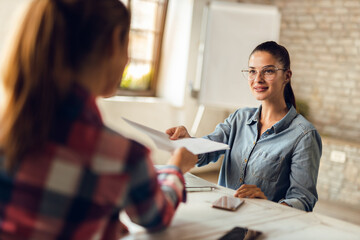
{"x": 75, "y": 187}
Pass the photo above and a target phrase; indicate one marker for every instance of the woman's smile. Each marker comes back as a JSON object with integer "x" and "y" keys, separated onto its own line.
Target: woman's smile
{"x": 258, "y": 88}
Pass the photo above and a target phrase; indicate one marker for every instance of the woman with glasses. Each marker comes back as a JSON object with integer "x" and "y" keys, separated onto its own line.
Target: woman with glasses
{"x": 63, "y": 173}
{"x": 274, "y": 151}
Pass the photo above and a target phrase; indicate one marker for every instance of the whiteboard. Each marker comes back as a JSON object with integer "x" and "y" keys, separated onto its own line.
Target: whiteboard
{"x": 232, "y": 31}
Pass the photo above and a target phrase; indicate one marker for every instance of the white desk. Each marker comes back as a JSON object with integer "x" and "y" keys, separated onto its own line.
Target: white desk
{"x": 196, "y": 219}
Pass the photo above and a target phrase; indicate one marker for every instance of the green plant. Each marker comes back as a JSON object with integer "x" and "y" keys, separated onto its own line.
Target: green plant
{"x": 140, "y": 83}
{"x": 302, "y": 107}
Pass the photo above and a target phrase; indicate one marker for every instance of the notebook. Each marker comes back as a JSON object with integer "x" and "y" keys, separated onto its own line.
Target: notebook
{"x": 196, "y": 184}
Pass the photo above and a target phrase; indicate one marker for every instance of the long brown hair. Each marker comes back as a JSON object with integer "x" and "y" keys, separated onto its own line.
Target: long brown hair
{"x": 282, "y": 55}
{"x": 56, "y": 39}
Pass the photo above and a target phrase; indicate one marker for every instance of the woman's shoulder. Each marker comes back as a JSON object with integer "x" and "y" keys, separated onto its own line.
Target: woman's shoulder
{"x": 301, "y": 123}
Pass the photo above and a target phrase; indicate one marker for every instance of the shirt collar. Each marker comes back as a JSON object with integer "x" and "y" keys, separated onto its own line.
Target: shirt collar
{"x": 285, "y": 121}
{"x": 280, "y": 125}
{"x": 255, "y": 117}
{"x": 90, "y": 109}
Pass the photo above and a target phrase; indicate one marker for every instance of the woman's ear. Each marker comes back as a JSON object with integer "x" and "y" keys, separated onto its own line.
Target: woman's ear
{"x": 288, "y": 75}
{"x": 115, "y": 45}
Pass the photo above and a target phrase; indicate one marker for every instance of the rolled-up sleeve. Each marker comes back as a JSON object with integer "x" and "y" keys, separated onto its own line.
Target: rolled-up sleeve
{"x": 220, "y": 134}
{"x": 153, "y": 195}
{"x": 302, "y": 193}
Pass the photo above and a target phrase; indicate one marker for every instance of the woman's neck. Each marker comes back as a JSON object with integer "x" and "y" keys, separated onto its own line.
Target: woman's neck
{"x": 92, "y": 79}
{"x": 273, "y": 112}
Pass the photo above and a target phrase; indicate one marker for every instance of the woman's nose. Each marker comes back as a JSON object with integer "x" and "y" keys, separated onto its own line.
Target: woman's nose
{"x": 259, "y": 77}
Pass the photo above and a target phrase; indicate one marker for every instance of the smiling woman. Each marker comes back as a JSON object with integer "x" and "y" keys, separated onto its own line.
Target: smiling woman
{"x": 275, "y": 152}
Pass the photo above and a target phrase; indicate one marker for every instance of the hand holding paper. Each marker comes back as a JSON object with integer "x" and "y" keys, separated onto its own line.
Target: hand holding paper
{"x": 194, "y": 145}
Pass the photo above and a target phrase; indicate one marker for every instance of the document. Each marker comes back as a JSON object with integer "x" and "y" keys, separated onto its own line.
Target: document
{"x": 194, "y": 145}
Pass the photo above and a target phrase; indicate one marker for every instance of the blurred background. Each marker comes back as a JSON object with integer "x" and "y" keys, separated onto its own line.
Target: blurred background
{"x": 159, "y": 87}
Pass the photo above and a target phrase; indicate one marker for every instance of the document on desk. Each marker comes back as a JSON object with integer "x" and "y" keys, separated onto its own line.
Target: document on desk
{"x": 194, "y": 145}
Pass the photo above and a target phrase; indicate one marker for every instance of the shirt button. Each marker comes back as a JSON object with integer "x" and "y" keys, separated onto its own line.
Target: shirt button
{"x": 241, "y": 180}
{"x": 245, "y": 160}
{"x": 254, "y": 143}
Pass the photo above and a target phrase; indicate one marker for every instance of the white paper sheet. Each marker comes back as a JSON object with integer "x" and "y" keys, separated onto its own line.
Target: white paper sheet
{"x": 194, "y": 145}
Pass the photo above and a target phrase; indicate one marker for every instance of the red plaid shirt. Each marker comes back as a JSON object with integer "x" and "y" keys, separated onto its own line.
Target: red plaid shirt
{"x": 75, "y": 187}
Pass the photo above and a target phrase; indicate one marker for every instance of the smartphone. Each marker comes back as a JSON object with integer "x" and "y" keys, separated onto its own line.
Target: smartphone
{"x": 228, "y": 203}
{"x": 241, "y": 233}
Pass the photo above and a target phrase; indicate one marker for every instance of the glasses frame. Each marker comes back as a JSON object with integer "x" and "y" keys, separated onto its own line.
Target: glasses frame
{"x": 247, "y": 77}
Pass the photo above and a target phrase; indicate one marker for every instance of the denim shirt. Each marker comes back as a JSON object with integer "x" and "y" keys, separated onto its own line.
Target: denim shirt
{"x": 283, "y": 162}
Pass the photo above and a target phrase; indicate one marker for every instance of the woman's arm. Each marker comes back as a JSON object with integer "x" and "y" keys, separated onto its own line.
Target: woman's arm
{"x": 153, "y": 196}
{"x": 220, "y": 134}
{"x": 304, "y": 169}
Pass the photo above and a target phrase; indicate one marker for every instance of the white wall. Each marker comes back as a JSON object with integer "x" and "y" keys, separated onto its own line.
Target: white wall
{"x": 9, "y": 14}
{"x": 173, "y": 66}
{"x": 8, "y": 11}
{"x": 151, "y": 112}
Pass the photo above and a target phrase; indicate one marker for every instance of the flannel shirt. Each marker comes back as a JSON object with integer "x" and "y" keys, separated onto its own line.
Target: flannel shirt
{"x": 76, "y": 186}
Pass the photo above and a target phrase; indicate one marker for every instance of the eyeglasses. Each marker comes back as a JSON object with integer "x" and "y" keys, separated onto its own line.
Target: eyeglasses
{"x": 268, "y": 73}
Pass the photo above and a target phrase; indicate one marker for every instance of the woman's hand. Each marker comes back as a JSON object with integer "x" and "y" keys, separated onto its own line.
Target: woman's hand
{"x": 285, "y": 204}
{"x": 249, "y": 191}
{"x": 177, "y": 132}
{"x": 183, "y": 159}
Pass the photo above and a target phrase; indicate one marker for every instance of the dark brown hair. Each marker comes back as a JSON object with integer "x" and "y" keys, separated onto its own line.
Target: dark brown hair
{"x": 55, "y": 37}
{"x": 282, "y": 55}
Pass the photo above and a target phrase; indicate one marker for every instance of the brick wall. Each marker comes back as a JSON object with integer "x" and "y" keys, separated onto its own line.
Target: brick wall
{"x": 323, "y": 38}
{"x": 340, "y": 181}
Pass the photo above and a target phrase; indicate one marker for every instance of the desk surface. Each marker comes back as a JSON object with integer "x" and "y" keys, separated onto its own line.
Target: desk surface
{"x": 196, "y": 219}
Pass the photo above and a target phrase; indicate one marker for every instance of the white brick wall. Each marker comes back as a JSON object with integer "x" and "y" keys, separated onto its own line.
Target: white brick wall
{"x": 340, "y": 182}
{"x": 325, "y": 59}
{"x": 323, "y": 38}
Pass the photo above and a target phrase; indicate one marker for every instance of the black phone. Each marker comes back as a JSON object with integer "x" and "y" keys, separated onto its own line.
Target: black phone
{"x": 241, "y": 233}
{"x": 228, "y": 203}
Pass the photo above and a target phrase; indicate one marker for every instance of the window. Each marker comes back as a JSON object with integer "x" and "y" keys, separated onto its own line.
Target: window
{"x": 146, "y": 31}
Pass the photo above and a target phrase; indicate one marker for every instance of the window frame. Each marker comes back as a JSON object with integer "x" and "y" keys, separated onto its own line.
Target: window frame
{"x": 156, "y": 60}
